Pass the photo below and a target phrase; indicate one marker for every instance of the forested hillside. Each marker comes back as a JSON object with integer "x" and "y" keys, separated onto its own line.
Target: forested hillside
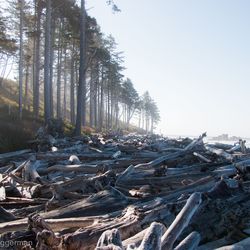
{"x": 66, "y": 68}
{"x": 81, "y": 164}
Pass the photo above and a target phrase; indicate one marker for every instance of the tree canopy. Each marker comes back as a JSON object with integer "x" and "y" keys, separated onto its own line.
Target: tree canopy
{"x": 68, "y": 65}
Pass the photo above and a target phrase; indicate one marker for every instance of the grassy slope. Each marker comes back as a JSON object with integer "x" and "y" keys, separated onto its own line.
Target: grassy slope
{"x": 14, "y": 133}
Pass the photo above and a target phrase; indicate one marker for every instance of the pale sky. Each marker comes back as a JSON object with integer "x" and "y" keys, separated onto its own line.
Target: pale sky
{"x": 193, "y": 56}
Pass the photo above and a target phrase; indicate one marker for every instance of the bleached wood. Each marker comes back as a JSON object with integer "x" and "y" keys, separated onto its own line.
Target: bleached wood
{"x": 181, "y": 221}
{"x": 110, "y": 239}
{"x": 14, "y": 154}
{"x": 152, "y": 238}
{"x": 191, "y": 242}
{"x": 242, "y": 245}
{"x": 220, "y": 152}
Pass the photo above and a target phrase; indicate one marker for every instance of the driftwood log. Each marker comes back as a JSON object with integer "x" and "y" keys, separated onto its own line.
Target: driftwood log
{"x": 126, "y": 192}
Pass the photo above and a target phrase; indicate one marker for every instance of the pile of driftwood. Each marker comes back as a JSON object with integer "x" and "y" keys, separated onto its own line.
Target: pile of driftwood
{"x": 125, "y": 192}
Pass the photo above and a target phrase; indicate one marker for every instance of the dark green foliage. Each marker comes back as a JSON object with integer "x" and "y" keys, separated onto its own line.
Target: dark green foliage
{"x": 109, "y": 100}
{"x": 7, "y": 44}
{"x": 114, "y": 6}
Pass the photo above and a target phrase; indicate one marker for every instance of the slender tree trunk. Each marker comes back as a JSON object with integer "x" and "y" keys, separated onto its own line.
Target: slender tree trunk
{"x": 128, "y": 116}
{"x": 96, "y": 84}
{"x": 51, "y": 67}
{"x": 108, "y": 106}
{"x": 59, "y": 70}
{"x": 21, "y": 60}
{"x": 81, "y": 94}
{"x": 106, "y": 112}
{"x": 65, "y": 85}
{"x": 91, "y": 96}
{"x": 101, "y": 107}
{"x": 139, "y": 119}
{"x": 98, "y": 102}
{"x": 147, "y": 123}
{"x": 26, "y": 86}
{"x": 47, "y": 95}
{"x": 143, "y": 119}
{"x": 117, "y": 112}
{"x": 111, "y": 106}
{"x": 152, "y": 125}
{"x": 72, "y": 86}
{"x": 36, "y": 84}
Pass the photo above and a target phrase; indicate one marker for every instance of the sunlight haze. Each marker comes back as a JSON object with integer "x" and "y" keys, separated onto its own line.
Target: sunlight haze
{"x": 192, "y": 56}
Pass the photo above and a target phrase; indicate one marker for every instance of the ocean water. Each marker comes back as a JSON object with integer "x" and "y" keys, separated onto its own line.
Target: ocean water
{"x": 210, "y": 140}
{"x": 226, "y": 142}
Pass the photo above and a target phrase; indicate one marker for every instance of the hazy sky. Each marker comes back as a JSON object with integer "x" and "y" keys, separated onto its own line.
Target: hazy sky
{"x": 193, "y": 56}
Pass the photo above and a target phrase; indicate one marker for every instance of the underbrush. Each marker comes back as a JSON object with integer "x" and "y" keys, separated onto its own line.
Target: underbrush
{"x": 15, "y": 133}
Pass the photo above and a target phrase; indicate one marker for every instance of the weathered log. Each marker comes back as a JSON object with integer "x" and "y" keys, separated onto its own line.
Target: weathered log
{"x": 84, "y": 168}
{"x": 73, "y": 159}
{"x": 228, "y": 170}
{"x": 37, "y": 224}
{"x": 181, "y": 221}
{"x": 227, "y": 217}
{"x": 135, "y": 240}
{"x": 191, "y": 242}
{"x": 170, "y": 169}
{"x": 195, "y": 142}
{"x": 55, "y": 156}
{"x": 129, "y": 223}
{"x": 81, "y": 184}
{"x": 123, "y": 176}
{"x": 243, "y": 166}
{"x": 46, "y": 239}
{"x": 116, "y": 154}
{"x": 110, "y": 239}
{"x": 14, "y": 154}
{"x": 223, "y": 188}
{"x": 242, "y": 144}
{"x": 19, "y": 168}
{"x": 2, "y": 190}
{"x": 55, "y": 224}
{"x": 30, "y": 171}
{"x": 131, "y": 181}
{"x": 103, "y": 202}
{"x": 17, "y": 202}
{"x": 202, "y": 157}
{"x": 13, "y": 172}
{"x": 220, "y": 152}
{"x": 152, "y": 238}
{"x": 6, "y": 216}
{"x": 234, "y": 148}
{"x": 172, "y": 156}
{"x": 215, "y": 244}
{"x": 242, "y": 245}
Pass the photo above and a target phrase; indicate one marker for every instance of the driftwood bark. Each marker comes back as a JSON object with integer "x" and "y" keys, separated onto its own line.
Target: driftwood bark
{"x": 181, "y": 221}
{"x": 110, "y": 239}
{"x": 135, "y": 240}
{"x": 152, "y": 238}
{"x": 123, "y": 193}
{"x": 220, "y": 152}
{"x": 46, "y": 239}
{"x": 242, "y": 245}
{"x": 191, "y": 242}
{"x": 2, "y": 190}
{"x": 14, "y": 154}
{"x": 6, "y": 216}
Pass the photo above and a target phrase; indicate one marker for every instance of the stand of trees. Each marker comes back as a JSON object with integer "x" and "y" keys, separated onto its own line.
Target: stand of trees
{"x": 68, "y": 68}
